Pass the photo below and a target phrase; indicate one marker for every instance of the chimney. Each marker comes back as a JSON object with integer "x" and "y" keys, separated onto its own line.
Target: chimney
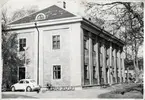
{"x": 90, "y": 19}
{"x": 64, "y": 4}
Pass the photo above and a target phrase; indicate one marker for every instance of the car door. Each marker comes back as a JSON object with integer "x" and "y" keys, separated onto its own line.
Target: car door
{"x": 27, "y": 83}
{"x": 20, "y": 85}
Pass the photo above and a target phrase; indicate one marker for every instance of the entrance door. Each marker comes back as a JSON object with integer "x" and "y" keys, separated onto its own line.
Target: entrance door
{"x": 21, "y": 73}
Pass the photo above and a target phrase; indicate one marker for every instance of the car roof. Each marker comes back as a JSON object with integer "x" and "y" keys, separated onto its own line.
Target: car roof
{"x": 26, "y": 79}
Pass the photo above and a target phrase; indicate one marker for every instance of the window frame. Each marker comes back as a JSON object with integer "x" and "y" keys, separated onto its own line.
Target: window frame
{"x": 27, "y": 82}
{"x": 22, "y": 44}
{"x": 21, "y": 81}
{"x": 57, "y": 72}
{"x": 55, "y": 42}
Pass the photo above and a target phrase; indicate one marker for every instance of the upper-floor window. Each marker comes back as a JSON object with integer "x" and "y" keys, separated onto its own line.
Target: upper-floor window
{"x": 56, "y": 42}
{"x": 93, "y": 44}
{"x": 22, "y": 44}
{"x": 85, "y": 44}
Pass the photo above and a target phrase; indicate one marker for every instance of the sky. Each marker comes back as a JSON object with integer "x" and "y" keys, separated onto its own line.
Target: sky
{"x": 13, "y": 5}
{"x": 43, "y": 3}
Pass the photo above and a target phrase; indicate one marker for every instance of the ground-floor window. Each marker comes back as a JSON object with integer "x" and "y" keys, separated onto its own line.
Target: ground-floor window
{"x": 118, "y": 79}
{"x": 101, "y": 75}
{"x": 86, "y": 72}
{"x": 114, "y": 79}
{"x": 95, "y": 81}
{"x": 56, "y": 72}
{"x": 94, "y": 72}
{"x": 21, "y": 73}
{"x": 86, "y": 75}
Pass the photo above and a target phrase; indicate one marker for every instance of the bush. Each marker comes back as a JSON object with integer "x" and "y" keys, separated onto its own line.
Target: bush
{"x": 48, "y": 86}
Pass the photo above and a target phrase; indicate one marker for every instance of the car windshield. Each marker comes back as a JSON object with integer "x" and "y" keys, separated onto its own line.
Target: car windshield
{"x": 32, "y": 81}
{"x": 21, "y": 81}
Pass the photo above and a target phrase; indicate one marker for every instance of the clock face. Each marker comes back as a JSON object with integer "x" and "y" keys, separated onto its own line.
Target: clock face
{"x": 40, "y": 16}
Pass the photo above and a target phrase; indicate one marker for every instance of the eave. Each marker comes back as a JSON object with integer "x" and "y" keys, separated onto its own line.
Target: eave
{"x": 44, "y": 23}
{"x": 98, "y": 31}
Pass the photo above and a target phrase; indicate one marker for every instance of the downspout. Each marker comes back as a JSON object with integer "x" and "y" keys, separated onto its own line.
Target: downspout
{"x": 37, "y": 54}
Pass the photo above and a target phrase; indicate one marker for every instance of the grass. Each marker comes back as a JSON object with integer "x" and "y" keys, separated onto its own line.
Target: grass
{"x": 15, "y": 96}
{"x": 118, "y": 89}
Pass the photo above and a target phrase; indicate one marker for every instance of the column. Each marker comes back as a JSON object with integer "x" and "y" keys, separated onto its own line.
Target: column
{"x": 110, "y": 65}
{"x": 123, "y": 67}
{"x": 119, "y": 65}
{"x": 115, "y": 67}
{"x": 82, "y": 56}
{"x": 104, "y": 62}
{"x": 90, "y": 60}
{"x": 97, "y": 60}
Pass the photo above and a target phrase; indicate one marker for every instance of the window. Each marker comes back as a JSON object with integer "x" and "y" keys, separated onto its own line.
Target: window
{"x": 22, "y": 44}
{"x": 21, "y": 73}
{"x": 27, "y": 82}
{"x": 21, "y": 82}
{"x": 85, "y": 44}
{"x": 94, "y": 72}
{"x": 57, "y": 72}
{"x": 32, "y": 81}
{"x": 86, "y": 72}
{"x": 40, "y": 16}
{"x": 56, "y": 42}
{"x": 94, "y": 43}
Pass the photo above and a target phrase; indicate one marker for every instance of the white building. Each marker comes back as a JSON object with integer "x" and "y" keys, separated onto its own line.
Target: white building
{"x": 67, "y": 50}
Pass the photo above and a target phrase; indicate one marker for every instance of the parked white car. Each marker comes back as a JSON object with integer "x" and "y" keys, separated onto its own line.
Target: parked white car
{"x": 26, "y": 85}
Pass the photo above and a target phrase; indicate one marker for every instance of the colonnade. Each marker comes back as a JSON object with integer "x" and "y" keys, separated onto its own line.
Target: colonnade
{"x": 108, "y": 59}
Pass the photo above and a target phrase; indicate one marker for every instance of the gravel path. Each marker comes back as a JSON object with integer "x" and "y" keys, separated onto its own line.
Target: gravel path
{"x": 85, "y": 93}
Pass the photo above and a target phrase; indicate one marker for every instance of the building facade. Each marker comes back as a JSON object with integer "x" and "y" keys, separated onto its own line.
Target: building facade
{"x": 67, "y": 50}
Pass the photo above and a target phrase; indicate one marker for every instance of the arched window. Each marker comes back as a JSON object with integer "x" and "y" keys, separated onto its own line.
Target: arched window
{"x": 40, "y": 16}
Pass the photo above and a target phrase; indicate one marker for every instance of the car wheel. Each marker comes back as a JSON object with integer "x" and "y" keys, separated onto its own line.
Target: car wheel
{"x": 28, "y": 89}
{"x": 13, "y": 88}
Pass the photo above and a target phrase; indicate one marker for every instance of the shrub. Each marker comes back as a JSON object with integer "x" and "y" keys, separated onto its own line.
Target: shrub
{"x": 48, "y": 86}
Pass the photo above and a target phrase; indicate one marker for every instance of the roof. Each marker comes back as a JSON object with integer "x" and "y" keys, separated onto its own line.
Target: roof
{"x": 52, "y": 12}
{"x": 55, "y": 12}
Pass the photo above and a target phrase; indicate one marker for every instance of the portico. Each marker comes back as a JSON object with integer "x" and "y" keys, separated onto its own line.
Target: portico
{"x": 103, "y": 57}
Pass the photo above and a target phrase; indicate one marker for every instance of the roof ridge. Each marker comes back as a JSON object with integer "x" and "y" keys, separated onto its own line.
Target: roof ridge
{"x": 30, "y": 14}
{"x": 48, "y": 11}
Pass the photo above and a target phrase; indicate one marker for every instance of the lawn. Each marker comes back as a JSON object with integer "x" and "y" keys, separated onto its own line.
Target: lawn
{"x": 16, "y": 96}
{"x": 123, "y": 91}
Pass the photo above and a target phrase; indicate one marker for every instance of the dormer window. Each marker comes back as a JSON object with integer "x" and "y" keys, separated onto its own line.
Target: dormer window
{"x": 40, "y": 16}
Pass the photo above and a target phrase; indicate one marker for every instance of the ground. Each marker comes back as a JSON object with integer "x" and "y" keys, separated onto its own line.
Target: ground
{"x": 90, "y": 92}
{"x": 131, "y": 90}
{"x": 85, "y": 93}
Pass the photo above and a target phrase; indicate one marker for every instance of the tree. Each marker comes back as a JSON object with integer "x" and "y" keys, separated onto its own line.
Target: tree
{"x": 23, "y": 12}
{"x": 9, "y": 55}
{"x": 126, "y": 23}
{"x": 11, "y": 60}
